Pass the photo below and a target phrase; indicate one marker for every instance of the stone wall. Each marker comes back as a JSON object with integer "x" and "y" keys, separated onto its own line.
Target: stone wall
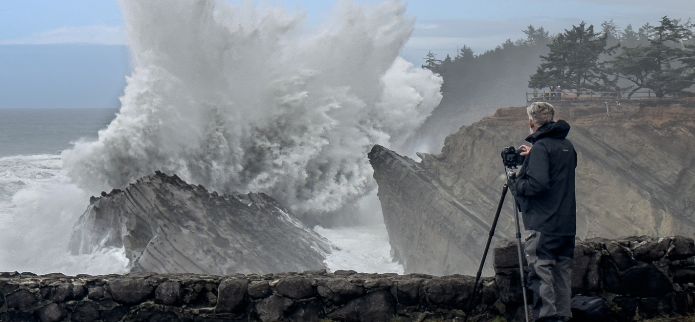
{"x": 639, "y": 277}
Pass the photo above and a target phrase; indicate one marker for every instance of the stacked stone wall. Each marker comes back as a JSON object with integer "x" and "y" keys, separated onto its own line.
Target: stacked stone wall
{"x": 638, "y": 277}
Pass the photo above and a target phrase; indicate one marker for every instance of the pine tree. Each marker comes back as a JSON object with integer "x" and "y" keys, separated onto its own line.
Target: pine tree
{"x": 629, "y": 37}
{"x": 465, "y": 54}
{"x": 431, "y": 62}
{"x": 573, "y": 61}
{"x": 536, "y": 36}
{"x": 447, "y": 60}
{"x": 611, "y": 31}
{"x": 665, "y": 65}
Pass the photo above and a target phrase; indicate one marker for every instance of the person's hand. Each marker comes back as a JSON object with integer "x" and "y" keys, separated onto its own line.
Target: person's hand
{"x": 525, "y": 150}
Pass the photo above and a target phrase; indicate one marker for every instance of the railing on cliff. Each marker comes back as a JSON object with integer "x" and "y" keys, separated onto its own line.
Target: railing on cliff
{"x": 567, "y": 95}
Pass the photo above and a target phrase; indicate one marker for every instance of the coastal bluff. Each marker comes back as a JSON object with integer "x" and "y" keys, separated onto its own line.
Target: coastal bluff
{"x": 637, "y": 278}
{"x": 634, "y": 177}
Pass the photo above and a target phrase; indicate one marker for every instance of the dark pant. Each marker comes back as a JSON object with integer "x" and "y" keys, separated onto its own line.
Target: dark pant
{"x": 550, "y": 266}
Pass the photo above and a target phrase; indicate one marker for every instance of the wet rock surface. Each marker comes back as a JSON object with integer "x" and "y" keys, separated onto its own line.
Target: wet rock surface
{"x": 633, "y": 288}
{"x": 166, "y": 225}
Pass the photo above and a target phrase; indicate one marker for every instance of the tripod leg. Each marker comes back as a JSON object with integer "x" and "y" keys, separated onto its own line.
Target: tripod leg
{"x": 471, "y": 299}
{"x": 521, "y": 260}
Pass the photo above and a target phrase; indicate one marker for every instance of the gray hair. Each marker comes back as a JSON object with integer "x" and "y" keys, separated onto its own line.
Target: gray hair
{"x": 540, "y": 113}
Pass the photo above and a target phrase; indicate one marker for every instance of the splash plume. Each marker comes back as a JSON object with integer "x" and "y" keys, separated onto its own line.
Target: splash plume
{"x": 244, "y": 99}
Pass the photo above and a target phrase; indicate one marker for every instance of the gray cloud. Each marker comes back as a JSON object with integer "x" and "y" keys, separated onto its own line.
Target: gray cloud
{"x": 102, "y": 35}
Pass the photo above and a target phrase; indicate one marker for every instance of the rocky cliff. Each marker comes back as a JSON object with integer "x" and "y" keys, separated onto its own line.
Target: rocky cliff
{"x": 636, "y": 176}
{"x": 169, "y": 226}
{"x": 635, "y": 278}
{"x": 430, "y": 230}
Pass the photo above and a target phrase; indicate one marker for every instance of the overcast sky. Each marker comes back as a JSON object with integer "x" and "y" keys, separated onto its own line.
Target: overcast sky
{"x": 93, "y": 75}
{"x": 442, "y": 25}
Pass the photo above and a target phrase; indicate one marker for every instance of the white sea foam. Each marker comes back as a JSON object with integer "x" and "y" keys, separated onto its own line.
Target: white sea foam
{"x": 38, "y": 208}
{"x": 360, "y": 248}
{"x": 237, "y": 99}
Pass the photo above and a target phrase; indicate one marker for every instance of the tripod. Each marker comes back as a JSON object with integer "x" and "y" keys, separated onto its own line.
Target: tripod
{"x": 471, "y": 300}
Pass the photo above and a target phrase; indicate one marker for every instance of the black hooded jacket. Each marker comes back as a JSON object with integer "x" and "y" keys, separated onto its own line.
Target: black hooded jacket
{"x": 544, "y": 188}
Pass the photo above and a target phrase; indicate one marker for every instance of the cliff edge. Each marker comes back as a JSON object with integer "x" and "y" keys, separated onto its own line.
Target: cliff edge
{"x": 636, "y": 176}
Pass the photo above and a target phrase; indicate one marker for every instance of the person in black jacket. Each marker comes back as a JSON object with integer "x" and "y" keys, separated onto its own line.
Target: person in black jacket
{"x": 545, "y": 194}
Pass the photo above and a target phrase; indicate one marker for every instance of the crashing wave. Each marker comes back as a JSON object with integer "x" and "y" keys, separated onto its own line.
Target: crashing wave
{"x": 244, "y": 99}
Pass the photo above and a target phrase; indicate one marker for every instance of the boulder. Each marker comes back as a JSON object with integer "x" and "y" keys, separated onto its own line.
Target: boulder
{"x": 375, "y": 306}
{"x": 645, "y": 280}
{"x": 590, "y": 309}
{"x": 231, "y": 294}
{"x": 682, "y": 247}
{"x": 273, "y": 308}
{"x": 85, "y": 311}
{"x": 130, "y": 290}
{"x": 296, "y": 287}
{"x": 339, "y": 290}
{"x": 21, "y": 299}
{"x": 168, "y": 293}
{"x": 453, "y": 292}
{"x": 407, "y": 291}
{"x": 259, "y": 289}
{"x": 51, "y": 313}
{"x": 152, "y": 219}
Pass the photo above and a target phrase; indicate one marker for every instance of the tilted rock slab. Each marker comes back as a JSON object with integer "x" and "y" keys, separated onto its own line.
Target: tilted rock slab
{"x": 169, "y": 226}
{"x": 430, "y": 230}
{"x": 636, "y": 176}
{"x": 638, "y": 278}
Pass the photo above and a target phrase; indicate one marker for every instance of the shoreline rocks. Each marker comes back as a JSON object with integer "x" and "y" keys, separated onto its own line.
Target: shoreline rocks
{"x": 166, "y": 225}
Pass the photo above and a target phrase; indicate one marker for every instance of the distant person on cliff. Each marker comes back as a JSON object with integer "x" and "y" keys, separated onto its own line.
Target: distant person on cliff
{"x": 558, "y": 92}
{"x": 544, "y": 191}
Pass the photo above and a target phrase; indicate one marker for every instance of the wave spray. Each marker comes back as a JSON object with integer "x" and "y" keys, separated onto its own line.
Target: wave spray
{"x": 242, "y": 98}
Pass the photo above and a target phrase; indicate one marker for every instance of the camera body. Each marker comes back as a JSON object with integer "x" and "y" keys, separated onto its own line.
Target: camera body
{"x": 512, "y": 157}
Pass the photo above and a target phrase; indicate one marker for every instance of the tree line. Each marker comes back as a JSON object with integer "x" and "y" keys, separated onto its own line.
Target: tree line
{"x": 475, "y": 85}
{"x": 660, "y": 58}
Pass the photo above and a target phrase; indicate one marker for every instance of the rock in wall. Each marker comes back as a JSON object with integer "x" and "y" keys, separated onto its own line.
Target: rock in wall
{"x": 169, "y": 226}
{"x": 636, "y": 176}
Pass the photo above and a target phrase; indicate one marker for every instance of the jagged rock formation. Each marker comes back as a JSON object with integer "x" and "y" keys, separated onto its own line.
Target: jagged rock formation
{"x": 636, "y": 176}
{"x": 169, "y": 226}
{"x": 430, "y": 230}
{"x": 638, "y": 278}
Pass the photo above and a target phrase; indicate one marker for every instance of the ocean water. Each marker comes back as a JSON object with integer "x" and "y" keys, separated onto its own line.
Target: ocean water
{"x": 31, "y": 141}
{"x": 48, "y": 131}
{"x": 39, "y": 204}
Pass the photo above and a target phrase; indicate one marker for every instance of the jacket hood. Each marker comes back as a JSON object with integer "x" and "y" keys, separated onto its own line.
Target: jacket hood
{"x": 558, "y": 130}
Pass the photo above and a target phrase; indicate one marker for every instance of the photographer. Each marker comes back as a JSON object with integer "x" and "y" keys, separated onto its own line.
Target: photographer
{"x": 545, "y": 193}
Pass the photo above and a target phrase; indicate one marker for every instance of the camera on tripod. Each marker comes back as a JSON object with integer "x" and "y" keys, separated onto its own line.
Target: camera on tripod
{"x": 512, "y": 157}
